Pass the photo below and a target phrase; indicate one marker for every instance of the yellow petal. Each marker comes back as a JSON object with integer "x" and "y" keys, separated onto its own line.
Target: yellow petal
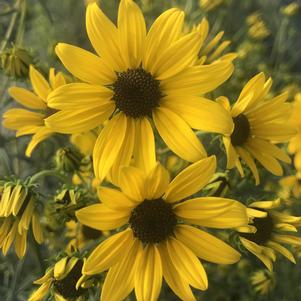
{"x": 206, "y": 246}
{"x": 114, "y": 199}
{"x": 191, "y": 179}
{"x": 103, "y": 35}
{"x": 21, "y": 244}
{"x": 157, "y": 182}
{"x": 109, "y": 253}
{"x": 84, "y": 65}
{"x": 132, "y": 183}
{"x": 266, "y": 204}
{"x": 121, "y": 273}
{"x": 173, "y": 277}
{"x": 282, "y": 250}
{"x": 39, "y": 83}
{"x": 27, "y": 98}
{"x": 144, "y": 152}
{"x": 37, "y": 229}
{"x": 107, "y": 149}
{"x": 148, "y": 277}
{"x": 178, "y": 135}
{"x": 132, "y": 33}
{"x": 100, "y": 217}
{"x": 232, "y": 156}
{"x": 187, "y": 264}
{"x": 165, "y": 30}
{"x": 201, "y": 113}
{"x": 288, "y": 239}
{"x": 41, "y": 292}
{"x": 59, "y": 268}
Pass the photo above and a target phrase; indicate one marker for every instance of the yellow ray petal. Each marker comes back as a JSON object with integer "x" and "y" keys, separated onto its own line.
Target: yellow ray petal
{"x": 103, "y": 35}
{"x": 37, "y": 229}
{"x": 232, "y": 156}
{"x": 41, "y": 292}
{"x": 121, "y": 273}
{"x": 282, "y": 250}
{"x": 201, "y": 113}
{"x": 39, "y": 83}
{"x": 84, "y": 65}
{"x": 178, "y": 135}
{"x": 191, "y": 179}
{"x": 144, "y": 151}
{"x": 148, "y": 278}
{"x": 59, "y": 267}
{"x": 166, "y": 29}
{"x": 109, "y": 253}
{"x": 206, "y": 246}
{"x": 21, "y": 244}
{"x": 100, "y": 217}
{"x": 132, "y": 33}
{"x": 157, "y": 182}
{"x": 132, "y": 183}
{"x": 266, "y": 204}
{"x": 27, "y": 98}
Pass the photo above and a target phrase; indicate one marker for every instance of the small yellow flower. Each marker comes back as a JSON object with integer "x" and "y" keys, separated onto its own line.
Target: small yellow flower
{"x": 27, "y": 122}
{"x": 60, "y": 280}
{"x": 209, "y": 5}
{"x": 258, "y": 29}
{"x": 291, "y": 9}
{"x": 263, "y": 281}
{"x": 267, "y": 230}
{"x": 156, "y": 239}
{"x": 259, "y": 123}
{"x": 17, "y": 212}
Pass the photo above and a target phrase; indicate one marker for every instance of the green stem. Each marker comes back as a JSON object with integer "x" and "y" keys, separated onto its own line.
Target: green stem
{"x": 20, "y": 31}
{"x": 11, "y": 26}
{"x": 45, "y": 173}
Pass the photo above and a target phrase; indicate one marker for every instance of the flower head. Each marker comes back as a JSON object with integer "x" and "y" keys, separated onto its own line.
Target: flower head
{"x": 259, "y": 124}
{"x": 267, "y": 230}
{"x": 263, "y": 281}
{"x": 28, "y": 122}
{"x": 157, "y": 240}
{"x": 17, "y": 212}
{"x": 138, "y": 77}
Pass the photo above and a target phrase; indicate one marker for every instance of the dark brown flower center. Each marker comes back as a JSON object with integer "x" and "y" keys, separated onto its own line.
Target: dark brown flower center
{"x": 241, "y": 131}
{"x": 136, "y": 92}
{"x": 264, "y": 231}
{"x": 67, "y": 287}
{"x": 153, "y": 221}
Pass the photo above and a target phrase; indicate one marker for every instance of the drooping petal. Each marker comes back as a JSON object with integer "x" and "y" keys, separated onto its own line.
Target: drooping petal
{"x": 178, "y": 135}
{"x": 206, "y": 246}
{"x": 108, "y": 253}
{"x": 232, "y": 156}
{"x": 148, "y": 278}
{"x": 107, "y": 149}
{"x": 27, "y": 98}
{"x": 100, "y": 217}
{"x": 132, "y": 33}
{"x": 282, "y": 250}
{"x": 191, "y": 179}
{"x": 119, "y": 281}
{"x": 84, "y": 65}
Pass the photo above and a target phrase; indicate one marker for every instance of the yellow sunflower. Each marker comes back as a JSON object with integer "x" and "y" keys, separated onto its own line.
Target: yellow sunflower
{"x": 28, "y": 122}
{"x": 259, "y": 123}
{"x": 139, "y": 79}
{"x": 156, "y": 239}
{"x": 60, "y": 280}
{"x": 17, "y": 212}
{"x": 267, "y": 230}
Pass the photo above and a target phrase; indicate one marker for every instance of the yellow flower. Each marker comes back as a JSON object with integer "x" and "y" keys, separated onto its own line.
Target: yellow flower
{"x": 258, "y": 29}
{"x": 139, "y": 77}
{"x": 259, "y": 123}
{"x": 290, "y": 9}
{"x": 295, "y": 120}
{"x": 61, "y": 280}
{"x": 267, "y": 230}
{"x": 263, "y": 281}
{"x": 27, "y": 122}
{"x": 212, "y": 48}
{"x": 292, "y": 183}
{"x": 208, "y": 5}
{"x": 17, "y": 212}
{"x": 157, "y": 241}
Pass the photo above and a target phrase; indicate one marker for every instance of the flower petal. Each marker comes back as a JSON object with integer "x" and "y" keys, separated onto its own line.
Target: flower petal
{"x": 100, "y": 217}
{"x": 123, "y": 273}
{"x": 84, "y": 65}
{"x": 27, "y": 98}
{"x": 39, "y": 83}
{"x": 148, "y": 277}
{"x": 206, "y": 246}
{"x": 132, "y": 33}
{"x": 178, "y": 135}
{"x": 191, "y": 179}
